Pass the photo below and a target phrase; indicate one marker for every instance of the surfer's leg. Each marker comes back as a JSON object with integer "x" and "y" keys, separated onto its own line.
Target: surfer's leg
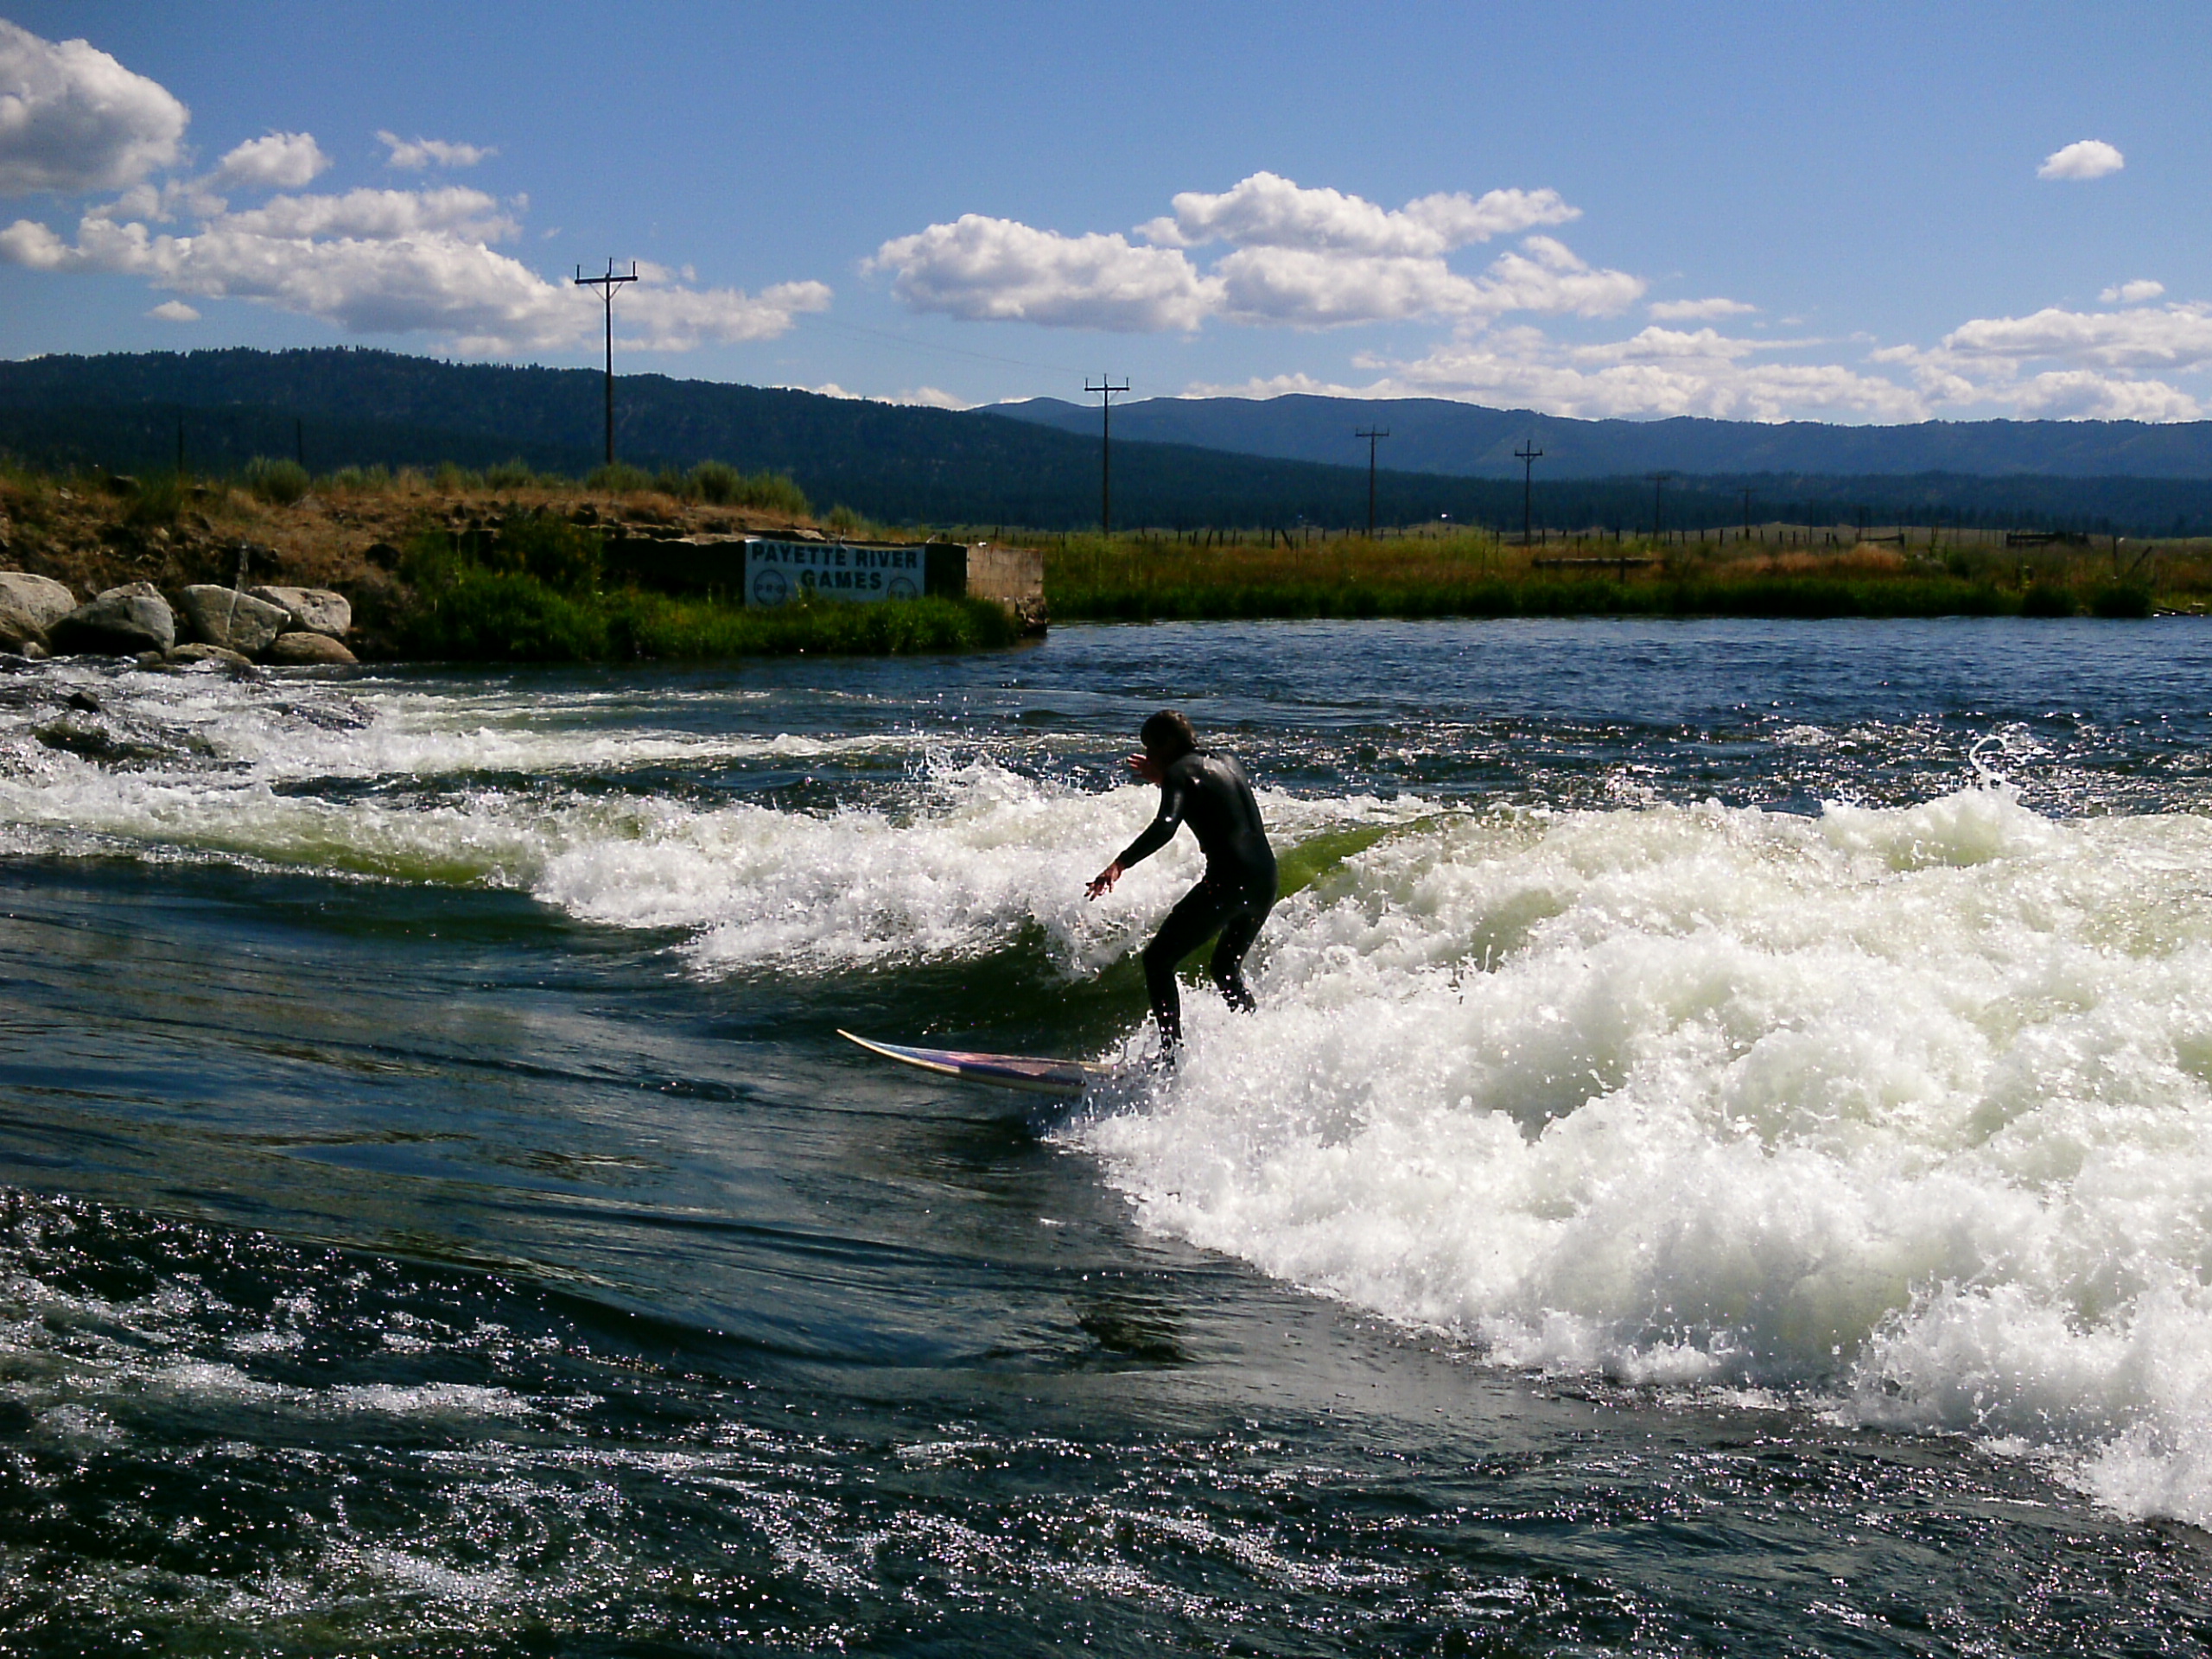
{"x": 1196, "y": 916}
{"x": 1237, "y": 936}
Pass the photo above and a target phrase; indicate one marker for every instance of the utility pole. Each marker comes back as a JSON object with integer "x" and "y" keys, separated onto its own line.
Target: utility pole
{"x": 1527, "y": 454}
{"x": 606, "y": 285}
{"x": 1658, "y": 482}
{"x": 1106, "y": 390}
{"x": 1371, "y": 434}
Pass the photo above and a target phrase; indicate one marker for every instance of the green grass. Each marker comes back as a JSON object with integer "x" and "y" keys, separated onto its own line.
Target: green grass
{"x": 1139, "y": 578}
{"x": 535, "y": 598}
{"x": 1790, "y": 596}
{"x": 280, "y": 482}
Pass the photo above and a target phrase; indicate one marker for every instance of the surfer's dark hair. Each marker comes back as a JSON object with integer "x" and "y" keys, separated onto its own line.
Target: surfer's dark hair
{"x": 1168, "y": 735}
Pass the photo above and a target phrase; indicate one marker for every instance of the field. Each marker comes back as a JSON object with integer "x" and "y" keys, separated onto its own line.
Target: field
{"x": 1774, "y": 570}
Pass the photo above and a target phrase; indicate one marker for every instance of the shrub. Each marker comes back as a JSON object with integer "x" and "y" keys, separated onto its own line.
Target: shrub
{"x": 2048, "y": 599}
{"x": 450, "y": 480}
{"x": 563, "y": 555}
{"x": 360, "y": 480}
{"x": 722, "y": 484}
{"x": 280, "y": 482}
{"x": 512, "y": 475}
{"x": 2120, "y": 600}
{"x": 774, "y": 493}
{"x": 618, "y": 477}
{"x": 157, "y": 500}
{"x": 845, "y": 521}
{"x": 716, "y": 481}
{"x": 504, "y": 616}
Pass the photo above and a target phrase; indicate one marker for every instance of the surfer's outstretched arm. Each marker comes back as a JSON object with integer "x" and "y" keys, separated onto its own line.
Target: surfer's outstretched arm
{"x": 1157, "y": 834}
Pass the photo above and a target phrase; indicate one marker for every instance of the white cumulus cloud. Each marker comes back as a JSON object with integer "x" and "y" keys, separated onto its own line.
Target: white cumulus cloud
{"x": 402, "y": 262}
{"x": 2168, "y": 337}
{"x": 1269, "y": 211}
{"x": 1299, "y": 257}
{"x": 662, "y": 314}
{"x": 1657, "y": 373}
{"x": 174, "y": 311}
{"x": 2132, "y": 293}
{"x": 376, "y": 215}
{"x": 276, "y": 161}
{"x": 998, "y": 271}
{"x": 72, "y": 119}
{"x": 413, "y": 154}
{"x": 1696, "y": 310}
{"x": 2085, "y": 395}
{"x": 2089, "y": 158}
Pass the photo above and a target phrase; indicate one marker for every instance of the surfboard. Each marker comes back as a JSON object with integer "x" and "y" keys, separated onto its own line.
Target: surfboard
{"x": 1035, "y": 1074}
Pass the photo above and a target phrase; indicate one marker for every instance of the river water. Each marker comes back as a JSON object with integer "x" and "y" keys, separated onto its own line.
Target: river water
{"x": 1723, "y": 1162}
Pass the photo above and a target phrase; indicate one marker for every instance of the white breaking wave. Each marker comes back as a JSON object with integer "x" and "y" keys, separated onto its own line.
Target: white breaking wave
{"x": 1908, "y": 1110}
{"x": 964, "y": 858}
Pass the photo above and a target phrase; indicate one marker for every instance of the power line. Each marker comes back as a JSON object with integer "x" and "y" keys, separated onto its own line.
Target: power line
{"x": 606, "y": 285}
{"x": 1371, "y": 434}
{"x": 1106, "y": 390}
{"x": 1527, "y": 454}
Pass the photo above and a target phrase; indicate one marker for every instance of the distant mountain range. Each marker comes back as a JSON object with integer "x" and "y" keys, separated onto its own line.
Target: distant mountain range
{"x": 1035, "y": 466}
{"x": 1431, "y": 435}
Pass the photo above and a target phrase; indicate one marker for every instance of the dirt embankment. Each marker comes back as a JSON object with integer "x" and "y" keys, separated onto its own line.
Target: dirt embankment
{"x": 95, "y": 536}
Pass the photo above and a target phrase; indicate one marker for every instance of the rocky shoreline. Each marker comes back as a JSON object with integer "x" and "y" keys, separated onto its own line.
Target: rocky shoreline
{"x": 240, "y": 626}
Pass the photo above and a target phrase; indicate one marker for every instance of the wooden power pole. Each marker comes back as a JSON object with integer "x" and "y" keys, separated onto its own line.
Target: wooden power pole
{"x": 1371, "y": 434}
{"x": 606, "y": 285}
{"x": 1527, "y": 454}
{"x": 1106, "y": 391}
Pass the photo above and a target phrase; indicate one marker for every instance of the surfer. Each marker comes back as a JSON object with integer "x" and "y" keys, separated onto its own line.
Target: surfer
{"x": 1210, "y": 792}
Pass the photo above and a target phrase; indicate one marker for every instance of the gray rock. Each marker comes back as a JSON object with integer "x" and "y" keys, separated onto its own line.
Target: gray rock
{"x": 236, "y": 621}
{"x": 29, "y": 606}
{"x": 313, "y": 610}
{"x": 193, "y": 656}
{"x": 121, "y": 622}
{"x": 301, "y": 649}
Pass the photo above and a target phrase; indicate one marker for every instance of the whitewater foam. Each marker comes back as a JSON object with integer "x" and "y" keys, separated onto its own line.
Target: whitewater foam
{"x": 960, "y": 855}
{"x": 1907, "y": 1110}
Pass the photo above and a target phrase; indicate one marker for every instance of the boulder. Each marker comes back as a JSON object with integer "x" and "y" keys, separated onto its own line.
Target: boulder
{"x": 313, "y": 610}
{"x": 29, "y": 606}
{"x": 236, "y": 621}
{"x": 301, "y": 649}
{"x": 193, "y": 656}
{"x": 121, "y": 622}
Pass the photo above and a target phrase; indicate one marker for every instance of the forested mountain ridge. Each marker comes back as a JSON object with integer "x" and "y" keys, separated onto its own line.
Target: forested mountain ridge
{"x": 1432, "y": 435}
{"x": 339, "y": 407}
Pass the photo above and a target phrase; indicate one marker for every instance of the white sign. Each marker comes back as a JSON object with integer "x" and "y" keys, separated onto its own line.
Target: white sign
{"x": 777, "y": 572}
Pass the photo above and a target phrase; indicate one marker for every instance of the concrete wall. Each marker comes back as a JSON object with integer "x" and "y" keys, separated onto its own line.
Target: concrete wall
{"x": 1013, "y": 576}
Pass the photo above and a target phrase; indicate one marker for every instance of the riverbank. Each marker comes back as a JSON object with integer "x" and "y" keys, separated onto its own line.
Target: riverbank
{"x": 458, "y": 566}
{"x": 1474, "y": 574}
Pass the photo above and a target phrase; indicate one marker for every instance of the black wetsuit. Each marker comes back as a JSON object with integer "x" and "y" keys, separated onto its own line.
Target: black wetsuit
{"x": 1211, "y": 794}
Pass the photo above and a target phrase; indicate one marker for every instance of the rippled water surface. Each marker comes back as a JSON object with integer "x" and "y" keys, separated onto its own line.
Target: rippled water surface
{"x": 1723, "y": 1162}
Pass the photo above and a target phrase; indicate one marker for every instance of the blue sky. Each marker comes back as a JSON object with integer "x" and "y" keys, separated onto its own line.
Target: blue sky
{"x": 1838, "y": 211}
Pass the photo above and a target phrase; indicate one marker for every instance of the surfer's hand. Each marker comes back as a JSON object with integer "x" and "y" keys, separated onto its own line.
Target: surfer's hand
{"x": 1147, "y": 768}
{"x": 1104, "y": 881}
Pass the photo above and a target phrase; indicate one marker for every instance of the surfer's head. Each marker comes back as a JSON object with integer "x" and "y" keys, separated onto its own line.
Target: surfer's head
{"x": 1168, "y": 737}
